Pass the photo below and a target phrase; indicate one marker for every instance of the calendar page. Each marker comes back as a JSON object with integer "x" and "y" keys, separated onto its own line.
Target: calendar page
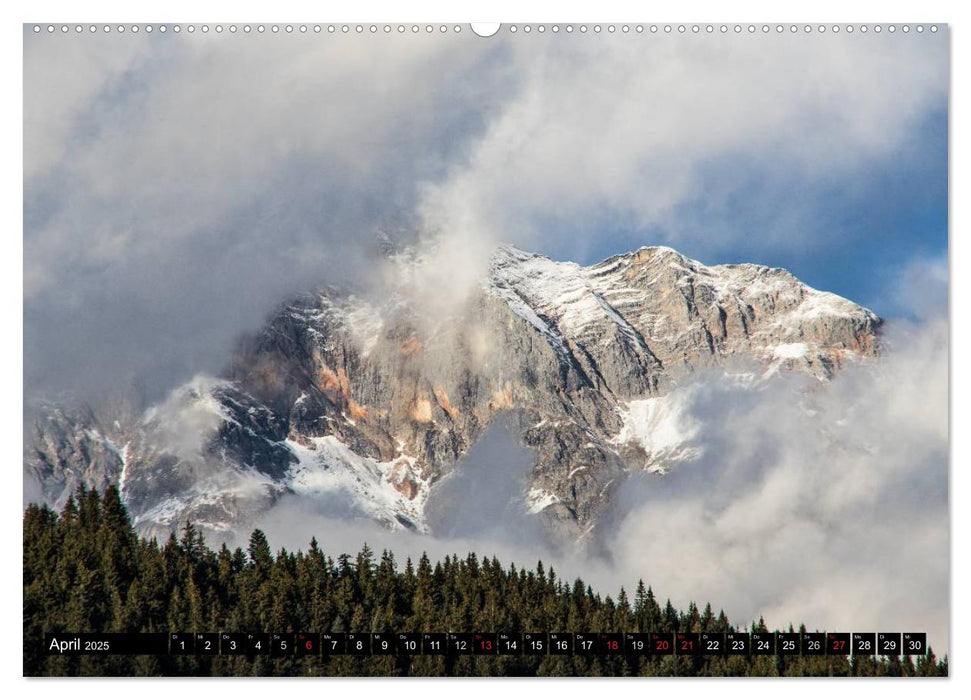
{"x": 544, "y": 349}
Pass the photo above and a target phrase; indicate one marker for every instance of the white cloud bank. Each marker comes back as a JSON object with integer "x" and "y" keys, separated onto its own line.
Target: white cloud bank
{"x": 178, "y": 188}
{"x": 830, "y": 509}
{"x": 181, "y": 185}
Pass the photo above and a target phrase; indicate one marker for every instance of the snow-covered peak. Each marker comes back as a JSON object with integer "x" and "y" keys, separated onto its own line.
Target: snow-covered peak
{"x": 657, "y": 301}
{"x": 364, "y": 401}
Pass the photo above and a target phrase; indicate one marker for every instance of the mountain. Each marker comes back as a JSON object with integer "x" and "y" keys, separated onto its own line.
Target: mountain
{"x": 365, "y": 404}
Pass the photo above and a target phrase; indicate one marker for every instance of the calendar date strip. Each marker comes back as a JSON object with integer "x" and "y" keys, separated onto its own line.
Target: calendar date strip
{"x": 312, "y": 644}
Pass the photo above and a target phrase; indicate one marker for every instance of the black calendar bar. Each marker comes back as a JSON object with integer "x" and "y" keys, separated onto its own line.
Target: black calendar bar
{"x": 207, "y": 644}
{"x": 358, "y": 644}
{"x": 738, "y": 644}
{"x": 434, "y": 643}
{"x": 637, "y": 644}
{"x": 510, "y": 643}
{"x": 282, "y": 643}
{"x": 585, "y": 644}
{"x": 408, "y": 644}
{"x": 661, "y": 643}
{"x": 610, "y": 644}
{"x": 864, "y": 643}
{"x": 105, "y": 644}
{"x": 813, "y": 643}
{"x": 888, "y": 643}
{"x": 915, "y": 643}
{"x": 687, "y": 644}
{"x": 561, "y": 643}
{"x": 711, "y": 643}
{"x": 333, "y": 643}
{"x": 631, "y": 644}
{"x": 837, "y": 644}
{"x": 308, "y": 644}
{"x": 536, "y": 643}
{"x": 460, "y": 644}
{"x": 763, "y": 643}
{"x": 384, "y": 644}
{"x": 788, "y": 644}
{"x": 183, "y": 643}
{"x": 485, "y": 643}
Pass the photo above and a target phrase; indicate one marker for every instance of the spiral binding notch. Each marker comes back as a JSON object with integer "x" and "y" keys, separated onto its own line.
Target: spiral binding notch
{"x": 485, "y": 29}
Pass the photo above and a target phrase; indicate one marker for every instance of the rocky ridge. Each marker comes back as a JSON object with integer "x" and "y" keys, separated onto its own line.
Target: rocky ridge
{"x": 365, "y": 406}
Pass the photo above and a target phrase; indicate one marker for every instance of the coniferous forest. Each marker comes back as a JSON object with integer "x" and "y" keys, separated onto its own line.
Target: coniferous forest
{"x": 86, "y": 570}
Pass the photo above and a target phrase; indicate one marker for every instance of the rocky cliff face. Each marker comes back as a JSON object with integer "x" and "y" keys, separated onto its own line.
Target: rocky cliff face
{"x": 366, "y": 405}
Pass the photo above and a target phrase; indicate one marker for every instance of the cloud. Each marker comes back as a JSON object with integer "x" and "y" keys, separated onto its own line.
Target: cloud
{"x": 483, "y": 497}
{"x": 624, "y": 137}
{"x": 178, "y": 187}
{"x": 186, "y": 185}
{"x": 185, "y": 422}
{"x": 829, "y": 508}
{"x": 63, "y": 76}
{"x": 922, "y": 290}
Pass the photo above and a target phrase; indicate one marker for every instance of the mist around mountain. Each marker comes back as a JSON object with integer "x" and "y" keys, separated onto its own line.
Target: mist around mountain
{"x": 646, "y": 416}
{"x": 368, "y": 405}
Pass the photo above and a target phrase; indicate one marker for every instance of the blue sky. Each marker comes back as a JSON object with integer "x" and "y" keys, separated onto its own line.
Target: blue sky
{"x": 873, "y": 224}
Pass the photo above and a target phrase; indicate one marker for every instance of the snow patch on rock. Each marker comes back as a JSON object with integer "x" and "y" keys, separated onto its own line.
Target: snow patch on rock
{"x": 539, "y": 499}
{"x": 662, "y": 427}
{"x": 392, "y": 492}
{"x": 790, "y": 351}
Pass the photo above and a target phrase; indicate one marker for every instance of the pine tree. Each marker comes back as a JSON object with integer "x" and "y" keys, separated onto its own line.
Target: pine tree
{"x": 259, "y": 552}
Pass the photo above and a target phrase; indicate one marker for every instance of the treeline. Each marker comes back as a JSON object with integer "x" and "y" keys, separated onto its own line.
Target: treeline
{"x": 86, "y": 570}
